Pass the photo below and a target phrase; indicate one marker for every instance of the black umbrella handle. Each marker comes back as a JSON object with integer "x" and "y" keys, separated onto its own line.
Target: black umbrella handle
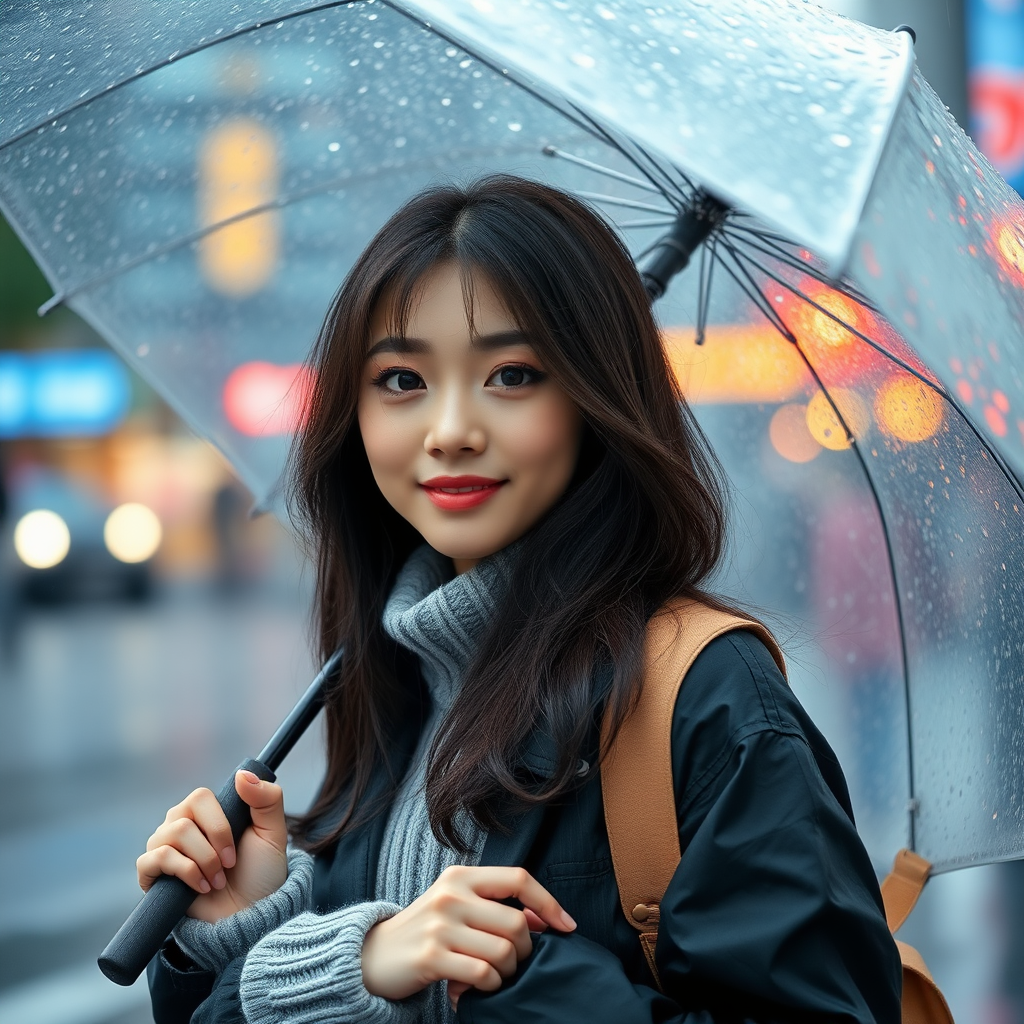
{"x": 168, "y": 899}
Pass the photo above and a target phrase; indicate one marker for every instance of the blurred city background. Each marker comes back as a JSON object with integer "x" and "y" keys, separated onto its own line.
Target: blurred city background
{"x": 153, "y": 631}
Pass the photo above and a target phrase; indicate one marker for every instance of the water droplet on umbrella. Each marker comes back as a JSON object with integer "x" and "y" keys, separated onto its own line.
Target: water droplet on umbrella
{"x": 840, "y": 140}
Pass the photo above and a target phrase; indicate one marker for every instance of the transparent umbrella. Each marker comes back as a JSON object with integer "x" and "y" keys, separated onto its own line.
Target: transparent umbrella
{"x": 196, "y": 183}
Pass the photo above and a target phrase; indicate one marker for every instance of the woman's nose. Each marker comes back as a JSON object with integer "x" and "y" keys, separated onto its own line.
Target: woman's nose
{"x": 455, "y": 427}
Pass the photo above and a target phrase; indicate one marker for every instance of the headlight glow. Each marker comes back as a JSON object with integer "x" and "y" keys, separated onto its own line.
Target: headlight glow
{"x": 132, "y": 532}
{"x": 41, "y": 539}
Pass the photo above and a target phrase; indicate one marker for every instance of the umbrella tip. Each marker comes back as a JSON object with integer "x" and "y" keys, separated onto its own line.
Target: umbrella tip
{"x": 909, "y": 30}
{"x": 550, "y": 150}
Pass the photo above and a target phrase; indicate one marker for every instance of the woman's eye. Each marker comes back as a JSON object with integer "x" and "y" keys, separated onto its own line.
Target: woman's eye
{"x": 514, "y": 377}
{"x": 399, "y": 380}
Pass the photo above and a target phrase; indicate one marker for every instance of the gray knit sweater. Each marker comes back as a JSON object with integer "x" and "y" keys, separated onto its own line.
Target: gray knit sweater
{"x": 304, "y": 968}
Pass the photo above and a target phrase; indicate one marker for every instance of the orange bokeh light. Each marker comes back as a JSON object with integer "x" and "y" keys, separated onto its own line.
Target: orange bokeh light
{"x": 907, "y": 409}
{"x": 789, "y": 434}
{"x": 1009, "y": 239}
{"x": 736, "y": 363}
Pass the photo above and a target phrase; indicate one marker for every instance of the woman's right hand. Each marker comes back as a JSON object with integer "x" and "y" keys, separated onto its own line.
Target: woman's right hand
{"x": 194, "y": 843}
{"x": 458, "y": 931}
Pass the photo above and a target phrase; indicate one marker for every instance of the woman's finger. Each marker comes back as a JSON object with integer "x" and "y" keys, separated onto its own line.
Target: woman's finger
{"x": 456, "y": 989}
{"x": 469, "y": 970}
{"x": 500, "y": 883}
{"x": 266, "y": 807}
{"x": 533, "y": 922}
{"x": 202, "y": 806}
{"x": 165, "y": 860}
{"x": 500, "y": 920}
{"x": 499, "y": 952}
{"x": 184, "y": 835}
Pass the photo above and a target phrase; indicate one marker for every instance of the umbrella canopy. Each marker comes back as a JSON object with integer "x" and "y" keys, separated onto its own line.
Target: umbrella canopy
{"x": 197, "y": 187}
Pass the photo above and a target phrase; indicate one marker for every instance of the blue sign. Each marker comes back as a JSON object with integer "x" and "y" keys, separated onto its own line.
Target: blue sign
{"x": 62, "y": 393}
{"x": 995, "y": 61}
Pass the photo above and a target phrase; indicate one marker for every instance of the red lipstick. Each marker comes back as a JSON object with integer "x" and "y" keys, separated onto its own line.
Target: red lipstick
{"x": 455, "y": 493}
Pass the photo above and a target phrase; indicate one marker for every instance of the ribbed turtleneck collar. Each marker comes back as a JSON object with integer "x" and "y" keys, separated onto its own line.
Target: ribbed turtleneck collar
{"x": 441, "y": 617}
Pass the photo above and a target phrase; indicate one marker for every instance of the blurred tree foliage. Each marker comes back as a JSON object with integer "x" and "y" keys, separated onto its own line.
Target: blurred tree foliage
{"x": 23, "y": 289}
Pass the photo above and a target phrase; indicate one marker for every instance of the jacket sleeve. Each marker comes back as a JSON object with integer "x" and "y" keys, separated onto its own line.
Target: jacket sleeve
{"x": 773, "y": 914}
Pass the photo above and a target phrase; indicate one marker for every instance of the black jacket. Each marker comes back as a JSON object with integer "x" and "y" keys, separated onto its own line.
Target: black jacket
{"x": 774, "y": 914}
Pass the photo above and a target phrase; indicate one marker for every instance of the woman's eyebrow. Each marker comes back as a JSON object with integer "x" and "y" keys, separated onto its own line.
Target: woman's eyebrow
{"x": 417, "y": 346}
{"x": 399, "y": 345}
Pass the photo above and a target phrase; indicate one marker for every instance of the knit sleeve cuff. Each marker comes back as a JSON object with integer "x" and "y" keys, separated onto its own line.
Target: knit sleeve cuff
{"x": 310, "y": 970}
{"x": 213, "y": 946}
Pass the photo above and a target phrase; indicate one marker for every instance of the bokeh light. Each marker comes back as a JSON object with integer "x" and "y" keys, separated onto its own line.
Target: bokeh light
{"x": 825, "y": 426}
{"x": 238, "y": 172}
{"x": 262, "y": 399}
{"x": 42, "y": 539}
{"x": 908, "y": 409}
{"x": 132, "y": 532}
{"x": 789, "y": 434}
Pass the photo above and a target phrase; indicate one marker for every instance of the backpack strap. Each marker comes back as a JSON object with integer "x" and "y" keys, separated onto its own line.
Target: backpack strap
{"x": 644, "y": 834}
{"x": 923, "y": 1002}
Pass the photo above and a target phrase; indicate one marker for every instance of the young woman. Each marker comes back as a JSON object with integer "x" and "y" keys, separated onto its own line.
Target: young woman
{"x": 502, "y": 484}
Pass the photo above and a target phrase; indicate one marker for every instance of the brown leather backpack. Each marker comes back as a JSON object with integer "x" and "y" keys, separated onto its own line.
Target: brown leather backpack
{"x": 644, "y": 834}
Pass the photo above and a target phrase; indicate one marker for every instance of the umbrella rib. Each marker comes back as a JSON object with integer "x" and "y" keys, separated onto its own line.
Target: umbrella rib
{"x": 630, "y": 204}
{"x": 84, "y": 101}
{"x": 604, "y": 134}
{"x": 751, "y": 290}
{"x": 608, "y": 172}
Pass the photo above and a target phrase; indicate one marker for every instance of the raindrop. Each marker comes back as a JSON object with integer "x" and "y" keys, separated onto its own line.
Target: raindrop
{"x": 583, "y": 60}
{"x": 606, "y": 14}
{"x": 142, "y": 351}
{"x": 478, "y": 105}
{"x": 815, "y": 109}
{"x": 789, "y": 87}
{"x": 832, "y": 85}
{"x": 334, "y": 147}
{"x": 514, "y": 126}
{"x": 400, "y": 142}
{"x": 840, "y": 140}
{"x": 446, "y": 102}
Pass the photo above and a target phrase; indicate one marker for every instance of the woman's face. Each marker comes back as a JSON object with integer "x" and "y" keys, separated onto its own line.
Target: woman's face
{"x": 467, "y": 436}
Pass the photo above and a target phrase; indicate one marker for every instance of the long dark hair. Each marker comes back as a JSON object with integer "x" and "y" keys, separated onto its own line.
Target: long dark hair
{"x": 642, "y": 521}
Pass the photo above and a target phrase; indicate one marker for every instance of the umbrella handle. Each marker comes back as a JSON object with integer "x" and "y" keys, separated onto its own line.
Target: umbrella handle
{"x": 141, "y": 936}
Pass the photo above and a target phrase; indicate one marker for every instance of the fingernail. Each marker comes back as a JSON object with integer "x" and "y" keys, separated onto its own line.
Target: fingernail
{"x": 219, "y": 881}
{"x": 204, "y": 885}
{"x": 569, "y": 922}
{"x": 227, "y": 857}
{"x": 250, "y": 777}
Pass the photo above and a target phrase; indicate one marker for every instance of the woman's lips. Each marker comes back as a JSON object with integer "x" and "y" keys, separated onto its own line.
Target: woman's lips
{"x": 454, "y": 493}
